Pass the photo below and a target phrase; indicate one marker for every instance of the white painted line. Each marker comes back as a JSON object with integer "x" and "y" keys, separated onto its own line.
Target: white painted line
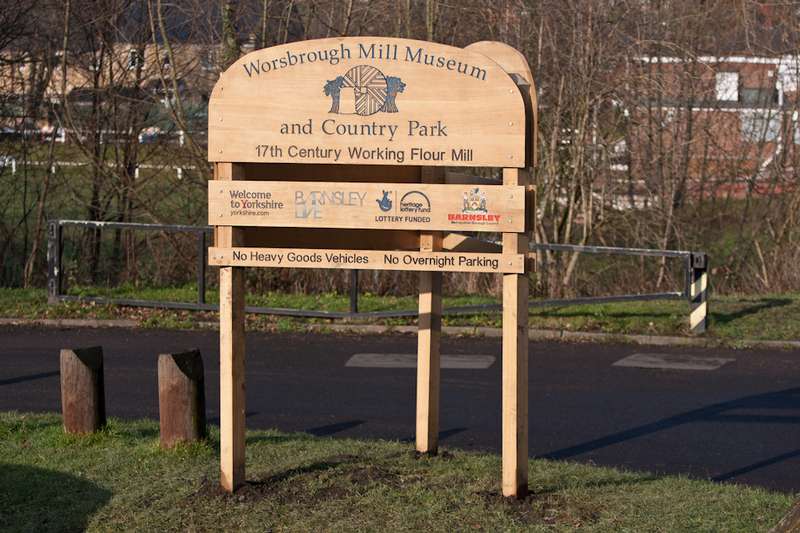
{"x": 409, "y": 360}
{"x": 672, "y": 361}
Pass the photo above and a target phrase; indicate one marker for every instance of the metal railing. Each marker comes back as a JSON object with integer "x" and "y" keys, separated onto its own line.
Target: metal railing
{"x": 694, "y": 288}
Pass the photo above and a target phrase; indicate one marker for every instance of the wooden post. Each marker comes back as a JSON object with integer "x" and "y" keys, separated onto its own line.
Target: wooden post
{"x": 83, "y": 403}
{"x": 515, "y": 361}
{"x": 181, "y": 398}
{"x": 231, "y": 353}
{"x": 428, "y": 338}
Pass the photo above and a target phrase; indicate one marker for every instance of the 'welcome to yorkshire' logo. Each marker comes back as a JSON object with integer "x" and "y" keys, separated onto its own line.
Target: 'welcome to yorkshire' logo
{"x": 372, "y": 92}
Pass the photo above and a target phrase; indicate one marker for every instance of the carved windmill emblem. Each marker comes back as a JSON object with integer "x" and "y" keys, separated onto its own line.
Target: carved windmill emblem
{"x": 372, "y": 92}
{"x": 370, "y": 86}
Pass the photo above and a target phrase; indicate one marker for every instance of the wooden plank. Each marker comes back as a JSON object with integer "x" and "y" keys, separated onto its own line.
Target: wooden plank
{"x": 358, "y": 239}
{"x": 366, "y": 259}
{"x": 429, "y": 338}
{"x": 355, "y": 239}
{"x": 324, "y": 172}
{"x": 461, "y": 243}
{"x": 512, "y": 61}
{"x": 395, "y": 206}
{"x": 515, "y": 363}
{"x": 231, "y": 351}
{"x": 368, "y": 101}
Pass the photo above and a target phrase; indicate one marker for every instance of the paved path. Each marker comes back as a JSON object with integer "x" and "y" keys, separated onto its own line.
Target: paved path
{"x": 738, "y": 423}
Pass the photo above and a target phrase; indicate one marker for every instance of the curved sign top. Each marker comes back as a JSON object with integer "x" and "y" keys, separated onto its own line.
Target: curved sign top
{"x": 367, "y": 101}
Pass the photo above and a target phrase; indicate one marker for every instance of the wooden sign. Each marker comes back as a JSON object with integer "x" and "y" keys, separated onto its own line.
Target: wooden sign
{"x": 282, "y": 118}
{"x": 367, "y": 260}
{"x": 367, "y": 101}
{"x": 396, "y": 206}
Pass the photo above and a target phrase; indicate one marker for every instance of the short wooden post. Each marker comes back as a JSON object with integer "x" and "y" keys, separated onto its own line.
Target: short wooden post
{"x": 515, "y": 361}
{"x": 181, "y": 398}
{"x": 83, "y": 404}
{"x": 231, "y": 353}
{"x": 428, "y": 338}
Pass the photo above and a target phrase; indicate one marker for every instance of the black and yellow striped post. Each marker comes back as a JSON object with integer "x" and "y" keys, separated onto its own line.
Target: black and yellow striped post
{"x": 698, "y": 293}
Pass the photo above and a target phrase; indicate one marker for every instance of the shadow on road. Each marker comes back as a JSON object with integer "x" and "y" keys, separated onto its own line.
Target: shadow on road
{"x": 29, "y": 377}
{"x": 330, "y": 429}
{"x": 755, "y": 466}
{"x": 215, "y": 419}
{"x": 443, "y": 435}
{"x": 788, "y": 399}
{"x": 36, "y": 499}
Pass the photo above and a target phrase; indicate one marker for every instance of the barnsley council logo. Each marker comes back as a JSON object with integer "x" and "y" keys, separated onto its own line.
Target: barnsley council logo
{"x": 474, "y": 201}
{"x": 474, "y": 210}
{"x": 371, "y": 92}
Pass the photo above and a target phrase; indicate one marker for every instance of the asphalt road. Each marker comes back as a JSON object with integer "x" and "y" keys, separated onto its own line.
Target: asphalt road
{"x": 739, "y": 423}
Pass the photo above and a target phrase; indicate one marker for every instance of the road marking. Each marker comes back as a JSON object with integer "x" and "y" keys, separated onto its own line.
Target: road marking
{"x": 409, "y": 360}
{"x": 672, "y": 361}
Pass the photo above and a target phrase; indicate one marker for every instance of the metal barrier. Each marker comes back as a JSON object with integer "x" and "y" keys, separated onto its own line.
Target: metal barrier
{"x": 695, "y": 289}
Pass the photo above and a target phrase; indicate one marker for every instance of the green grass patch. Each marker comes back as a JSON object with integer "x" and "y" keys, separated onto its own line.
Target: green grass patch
{"x": 733, "y": 319}
{"x": 119, "y": 480}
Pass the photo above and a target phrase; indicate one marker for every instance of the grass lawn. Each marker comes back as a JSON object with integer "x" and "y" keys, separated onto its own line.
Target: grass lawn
{"x": 119, "y": 480}
{"x": 767, "y": 317}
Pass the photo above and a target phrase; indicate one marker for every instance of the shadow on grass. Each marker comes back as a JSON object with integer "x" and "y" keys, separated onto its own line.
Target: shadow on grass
{"x": 36, "y": 499}
{"x": 764, "y": 303}
{"x": 556, "y": 312}
{"x": 319, "y": 466}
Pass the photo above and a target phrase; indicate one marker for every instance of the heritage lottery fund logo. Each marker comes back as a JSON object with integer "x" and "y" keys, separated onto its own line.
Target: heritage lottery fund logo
{"x": 360, "y": 101}
{"x": 413, "y": 207}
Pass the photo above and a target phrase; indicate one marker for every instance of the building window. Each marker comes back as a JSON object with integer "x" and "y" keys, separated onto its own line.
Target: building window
{"x": 727, "y": 87}
{"x": 760, "y": 126}
{"x": 760, "y": 97}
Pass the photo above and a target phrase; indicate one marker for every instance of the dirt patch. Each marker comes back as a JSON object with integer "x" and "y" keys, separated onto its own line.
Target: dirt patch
{"x": 370, "y": 474}
{"x": 550, "y": 509}
{"x": 443, "y": 455}
{"x": 294, "y": 486}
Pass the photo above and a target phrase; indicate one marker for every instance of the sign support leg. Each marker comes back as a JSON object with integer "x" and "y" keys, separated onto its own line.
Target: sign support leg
{"x": 515, "y": 363}
{"x": 428, "y": 363}
{"x": 231, "y": 354}
{"x": 232, "y": 397}
{"x": 429, "y": 339}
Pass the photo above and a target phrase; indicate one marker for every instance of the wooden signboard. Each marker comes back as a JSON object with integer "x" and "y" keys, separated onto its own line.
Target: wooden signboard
{"x": 367, "y": 101}
{"x": 367, "y": 260}
{"x": 397, "y": 206}
{"x": 331, "y": 154}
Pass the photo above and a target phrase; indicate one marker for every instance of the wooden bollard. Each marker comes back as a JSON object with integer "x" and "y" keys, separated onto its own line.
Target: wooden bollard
{"x": 83, "y": 399}
{"x": 181, "y": 398}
